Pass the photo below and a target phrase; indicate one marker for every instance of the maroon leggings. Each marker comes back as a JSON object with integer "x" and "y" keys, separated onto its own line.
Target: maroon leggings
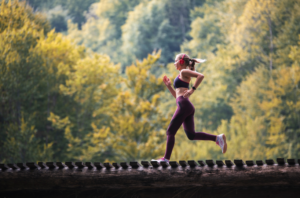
{"x": 184, "y": 114}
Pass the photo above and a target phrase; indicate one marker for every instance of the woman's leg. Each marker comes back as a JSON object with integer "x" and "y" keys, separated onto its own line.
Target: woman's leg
{"x": 189, "y": 128}
{"x": 174, "y": 125}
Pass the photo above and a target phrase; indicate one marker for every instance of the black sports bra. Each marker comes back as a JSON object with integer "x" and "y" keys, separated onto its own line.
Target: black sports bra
{"x": 180, "y": 83}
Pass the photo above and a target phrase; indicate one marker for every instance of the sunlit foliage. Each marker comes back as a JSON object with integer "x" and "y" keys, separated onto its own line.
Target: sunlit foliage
{"x": 96, "y": 93}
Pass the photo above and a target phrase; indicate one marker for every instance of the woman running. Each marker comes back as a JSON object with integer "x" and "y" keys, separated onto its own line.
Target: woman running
{"x": 184, "y": 113}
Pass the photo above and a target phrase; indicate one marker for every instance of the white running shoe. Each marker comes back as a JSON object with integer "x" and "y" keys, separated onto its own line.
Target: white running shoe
{"x": 221, "y": 141}
{"x": 161, "y": 160}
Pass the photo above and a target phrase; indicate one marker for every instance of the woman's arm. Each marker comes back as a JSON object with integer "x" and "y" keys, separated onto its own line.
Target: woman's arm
{"x": 168, "y": 84}
{"x": 190, "y": 73}
{"x": 172, "y": 91}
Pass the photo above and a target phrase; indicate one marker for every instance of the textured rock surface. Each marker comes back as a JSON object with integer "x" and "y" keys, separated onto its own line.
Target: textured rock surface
{"x": 284, "y": 175}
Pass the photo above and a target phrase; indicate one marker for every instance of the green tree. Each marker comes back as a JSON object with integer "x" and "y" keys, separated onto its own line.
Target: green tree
{"x": 19, "y": 33}
{"x": 58, "y": 18}
{"x": 155, "y": 25}
{"x": 102, "y": 31}
{"x": 21, "y": 144}
{"x": 57, "y": 56}
{"x": 32, "y": 68}
{"x": 77, "y": 8}
{"x": 138, "y": 126}
{"x": 266, "y": 120}
{"x": 116, "y": 12}
{"x": 93, "y": 85}
{"x": 113, "y": 124}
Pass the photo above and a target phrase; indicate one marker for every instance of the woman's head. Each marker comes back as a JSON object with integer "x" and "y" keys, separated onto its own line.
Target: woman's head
{"x": 182, "y": 61}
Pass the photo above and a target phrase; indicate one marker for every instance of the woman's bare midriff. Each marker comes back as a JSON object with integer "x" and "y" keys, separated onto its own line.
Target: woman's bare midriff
{"x": 180, "y": 91}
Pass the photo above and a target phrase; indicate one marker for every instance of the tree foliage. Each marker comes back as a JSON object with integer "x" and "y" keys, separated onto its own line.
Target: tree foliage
{"x": 155, "y": 25}
{"x": 138, "y": 129}
{"x": 20, "y": 32}
{"x": 96, "y": 93}
{"x": 76, "y": 10}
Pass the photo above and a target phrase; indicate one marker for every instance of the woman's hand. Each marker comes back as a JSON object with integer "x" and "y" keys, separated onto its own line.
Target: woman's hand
{"x": 167, "y": 81}
{"x": 188, "y": 93}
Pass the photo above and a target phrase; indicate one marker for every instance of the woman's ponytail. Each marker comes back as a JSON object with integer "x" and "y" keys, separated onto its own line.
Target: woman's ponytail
{"x": 192, "y": 64}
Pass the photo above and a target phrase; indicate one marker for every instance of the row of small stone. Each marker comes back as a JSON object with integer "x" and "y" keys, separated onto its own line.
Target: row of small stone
{"x": 124, "y": 165}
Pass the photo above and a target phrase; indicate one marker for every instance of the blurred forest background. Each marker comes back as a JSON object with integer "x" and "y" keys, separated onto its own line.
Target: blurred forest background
{"x": 81, "y": 80}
